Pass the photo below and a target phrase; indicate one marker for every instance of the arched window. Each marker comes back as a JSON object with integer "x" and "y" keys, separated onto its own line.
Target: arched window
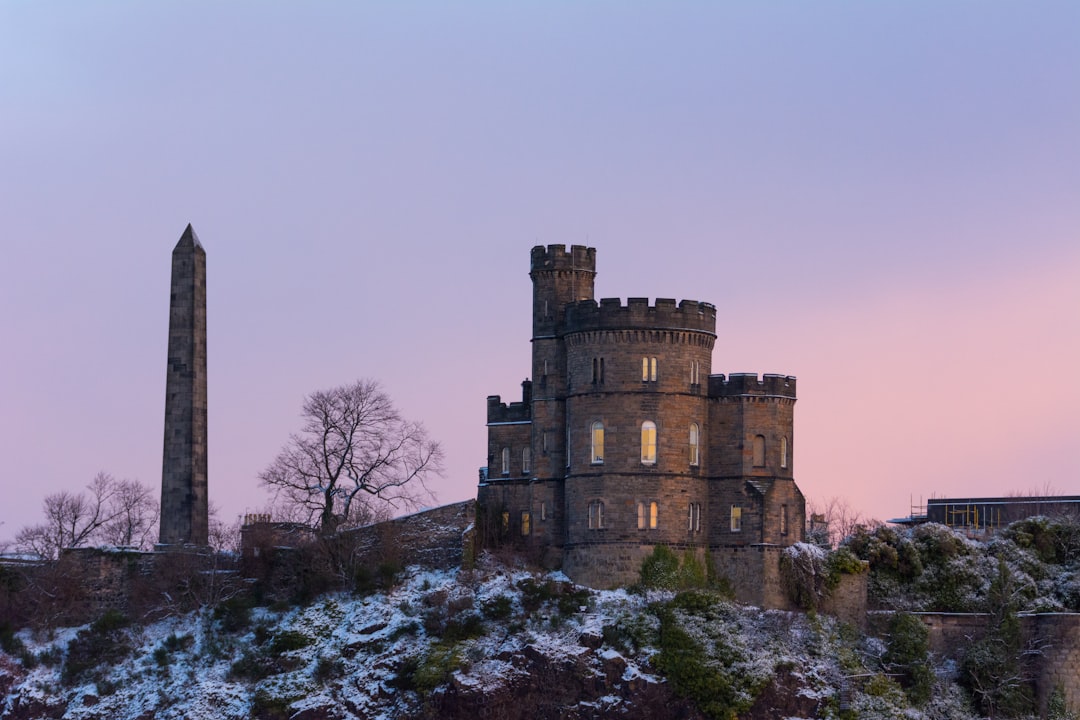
{"x": 641, "y": 516}
{"x": 596, "y": 515}
{"x": 653, "y": 512}
{"x": 783, "y": 452}
{"x": 597, "y": 442}
{"x": 648, "y": 442}
{"x": 526, "y": 522}
{"x": 506, "y": 461}
{"x": 759, "y": 451}
{"x": 526, "y": 461}
{"x": 695, "y": 455}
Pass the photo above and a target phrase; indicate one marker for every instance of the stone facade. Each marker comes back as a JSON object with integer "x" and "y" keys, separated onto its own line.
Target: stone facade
{"x": 624, "y": 440}
{"x": 184, "y": 508}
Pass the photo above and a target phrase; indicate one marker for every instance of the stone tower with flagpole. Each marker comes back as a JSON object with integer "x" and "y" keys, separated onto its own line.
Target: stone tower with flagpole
{"x": 184, "y": 508}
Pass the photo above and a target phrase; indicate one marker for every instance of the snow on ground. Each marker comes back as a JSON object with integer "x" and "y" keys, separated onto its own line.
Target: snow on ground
{"x": 355, "y": 653}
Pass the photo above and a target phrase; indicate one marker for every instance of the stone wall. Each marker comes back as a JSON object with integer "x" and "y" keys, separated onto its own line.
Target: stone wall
{"x": 432, "y": 538}
{"x": 847, "y": 601}
{"x": 1056, "y": 665}
{"x": 754, "y": 574}
{"x": 1059, "y": 664}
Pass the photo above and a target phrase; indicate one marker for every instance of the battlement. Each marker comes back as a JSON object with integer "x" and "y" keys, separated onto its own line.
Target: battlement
{"x": 611, "y": 314}
{"x": 500, "y": 412}
{"x": 739, "y": 384}
{"x": 557, "y": 257}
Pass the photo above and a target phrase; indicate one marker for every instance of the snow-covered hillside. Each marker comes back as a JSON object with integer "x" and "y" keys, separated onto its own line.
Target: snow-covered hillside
{"x": 494, "y": 642}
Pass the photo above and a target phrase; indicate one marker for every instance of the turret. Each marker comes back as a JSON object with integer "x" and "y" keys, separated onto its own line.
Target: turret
{"x": 559, "y": 277}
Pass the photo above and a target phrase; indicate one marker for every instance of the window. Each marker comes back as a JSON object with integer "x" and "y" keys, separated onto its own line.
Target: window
{"x": 783, "y": 519}
{"x": 543, "y": 511}
{"x": 648, "y": 442}
{"x": 648, "y": 369}
{"x": 505, "y": 522}
{"x": 544, "y": 441}
{"x": 526, "y": 461}
{"x": 695, "y": 456}
{"x": 526, "y": 522}
{"x": 759, "y": 451}
{"x": 597, "y": 442}
{"x": 506, "y": 461}
{"x": 783, "y": 452}
{"x": 736, "y": 518}
{"x": 567, "y": 447}
{"x": 598, "y": 371}
{"x": 693, "y": 518}
{"x": 596, "y": 515}
{"x": 695, "y": 372}
{"x": 647, "y": 515}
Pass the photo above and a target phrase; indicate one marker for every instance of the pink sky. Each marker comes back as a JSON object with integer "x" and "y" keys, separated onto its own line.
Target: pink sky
{"x": 880, "y": 198}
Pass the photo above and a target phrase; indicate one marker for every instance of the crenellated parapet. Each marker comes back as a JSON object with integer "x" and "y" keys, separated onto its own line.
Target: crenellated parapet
{"x": 638, "y": 314}
{"x": 500, "y": 412}
{"x": 749, "y": 385}
{"x": 557, "y": 257}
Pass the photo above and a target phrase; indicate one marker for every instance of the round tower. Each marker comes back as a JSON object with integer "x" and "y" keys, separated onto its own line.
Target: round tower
{"x": 637, "y": 417}
{"x": 559, "y": 277}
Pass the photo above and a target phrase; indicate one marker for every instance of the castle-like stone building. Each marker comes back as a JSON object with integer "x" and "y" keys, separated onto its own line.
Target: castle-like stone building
{"x": 624, "y": 440}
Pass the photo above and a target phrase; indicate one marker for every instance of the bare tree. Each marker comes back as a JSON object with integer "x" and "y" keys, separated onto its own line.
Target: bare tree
{"x": 833, "y": 520}
{"x": 355, "y": 451}
{"x": 134, "y": 516}
{"x": 111, "y": 511}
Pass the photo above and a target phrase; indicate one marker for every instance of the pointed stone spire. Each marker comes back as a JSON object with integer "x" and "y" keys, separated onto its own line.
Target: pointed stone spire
{"x": 184, "y": 507}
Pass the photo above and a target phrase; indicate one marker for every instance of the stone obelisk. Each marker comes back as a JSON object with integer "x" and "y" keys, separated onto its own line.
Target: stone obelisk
{"x": 184, "y": 511}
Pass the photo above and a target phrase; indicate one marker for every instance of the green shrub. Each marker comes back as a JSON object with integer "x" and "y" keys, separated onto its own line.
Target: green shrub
{"x": 842, "y": 562}
{"x": 254, "y": 666}
{"x": 409, "y": 628}
{"x": 436, "y": 667}
{"x": 288, "y": 640}
{"x": 1057, "y": 708}
{"x": 498, "y": 608}
{"x": 9, "y": 643}
{"x": 174, "y": 643}
{"x": 327, "y": 669}
{"x": 717, "y": 693}
{"x": 907, "y": 654}
{"x": 50, "y": 657}
{"x": 234, "y": 614}
{"x": 660, "y": 569}
{"x": 534, "y": 594}
{"x": 265, "y": 706}
{"x": 464, "y": 627}
{"x": 103, "y": 643}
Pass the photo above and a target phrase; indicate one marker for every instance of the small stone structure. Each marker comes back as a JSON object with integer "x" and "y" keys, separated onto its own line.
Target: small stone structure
{"x": 623, "y": 440}
{"x": 184, "y": 498}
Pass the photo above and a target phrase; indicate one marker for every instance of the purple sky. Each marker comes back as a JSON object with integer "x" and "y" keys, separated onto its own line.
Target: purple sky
{"x": 882, "y": 199}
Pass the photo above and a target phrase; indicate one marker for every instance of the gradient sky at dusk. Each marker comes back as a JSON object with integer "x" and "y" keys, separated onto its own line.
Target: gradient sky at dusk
{"x": 881, "y": 198}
